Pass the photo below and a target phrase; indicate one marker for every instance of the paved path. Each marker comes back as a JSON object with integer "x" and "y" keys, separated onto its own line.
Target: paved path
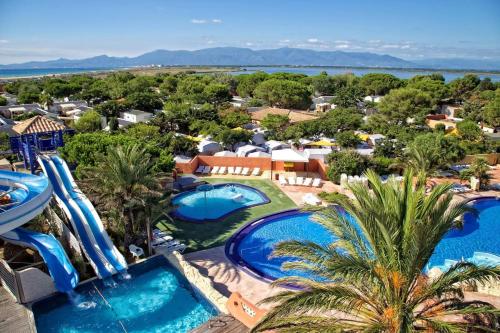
{"x": 221, "y": 324}
{"x": 14, "y": 317}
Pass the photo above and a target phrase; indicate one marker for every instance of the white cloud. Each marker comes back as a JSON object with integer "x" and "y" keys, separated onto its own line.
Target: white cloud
{"x": 210, "y": 42}
{"x": 3, "y": 41}
{"x": 342, "y": 42}
{"x": 198, "y": 21}
{"x": 205, "y": 21}
{"x": 285, "y": 41}
{"x": 342, "y": 46}
{"x": 249, "y": 44}
{"x": 313, "y": 40}
{"x": 375, "y": 41}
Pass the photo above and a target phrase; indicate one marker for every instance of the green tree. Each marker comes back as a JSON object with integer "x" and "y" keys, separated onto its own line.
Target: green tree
{"x": 284, "y": 94}
{"x": 387, "y": 147}
{"x": 348, "y": 96}
{"x": 248, "y": 82}
{"x": 28, "y": 93}
{"x": 347, "y": 161}
{"x": 145, "y": 101}
{"x": 347, "y": 139}
{"x": 229, "y": 137}
{"x": 340, "y": 119}
{"x": 275, "y": 124}
{"x": 375, "y": 283}
{"x": 4, "y": 141}
{"x": 379, "y": 83}
{"x": 169, "y": 85}
{"x": 401, "y": 104}
{"x": 235, "y": 118}
{"x": 113, "y": 124}
{"x": 3, "y": 101}
{"x": 90, "y": 121}
{"x": 469, "y": 130}
{"x": 46, "y": 100}
{"x": 436, "y": 89}
{"x": 217, "y": 94}
{"x": 124, "y": 176}
{"x": 480, "y": 169}
{"x": 462, "y": 88}
{"x": 492, "y": 111}
{"x": 111, "y": 109}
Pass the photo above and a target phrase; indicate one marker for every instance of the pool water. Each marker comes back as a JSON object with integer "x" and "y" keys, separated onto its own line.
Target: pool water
{"x": 479, "y": 234}
{"x": 157, "y": 299}
{"x": 215, "y": 202}
{"x": 253, "y": 245}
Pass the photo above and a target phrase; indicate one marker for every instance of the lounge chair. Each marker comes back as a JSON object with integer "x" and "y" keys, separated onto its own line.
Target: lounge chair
{"x": 308, "y": 181}
{"x": 222, "y": 170}
{"x": 256, "y": 172}
{"x": 245, "y": 171}
{"x": 237, "y": 171}
{"x": 135, "y": 251}
{"x": 159, "y": 233}
{"x": 215, "y": 169}
{"x": 316, "y": 182}
{"x": 282, "y": 180}
{"x": 291, "y": 180}
{"x": 166, "y": 244}
{"x": 200, "y": 169}
{"x": 230, "y": 171}
{"x": 206, "y": 171}
{"x": 300, "y": 181}
{"x": 311, "y": 199}
{"x": 161, "y": 240}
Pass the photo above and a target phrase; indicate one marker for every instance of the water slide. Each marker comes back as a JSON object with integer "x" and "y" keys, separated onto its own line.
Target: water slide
{"x": 29, "y": 195}
{"x": 96, "y": 243}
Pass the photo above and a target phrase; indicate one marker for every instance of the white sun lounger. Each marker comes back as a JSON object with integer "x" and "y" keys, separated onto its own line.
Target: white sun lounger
{"x": 206, "y": 171}
{"x": 282, "y": 180}
{"x": 215, "y": 169}
{"x": 256, "y": 172}
{"x": 237, "y": 171}
{"x": 311, "y": 199}
{"x": 135, "y": 251}
{"x": 161, "y": 240}
{"x": 245, "y": 171}
{"x": 300, "y": 180}
{"x": 230, "y": 171}
{"x": 291, "y": 180}
{"x": 308, "y": 181}
{"x": 316, "y": 182}
{"x": 200, "y": 169}
{"x": 222, "y": 170}
{"x": 166, "y": 244}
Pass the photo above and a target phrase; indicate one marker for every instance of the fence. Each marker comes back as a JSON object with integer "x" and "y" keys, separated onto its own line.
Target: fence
{"x": 9, "y": 280}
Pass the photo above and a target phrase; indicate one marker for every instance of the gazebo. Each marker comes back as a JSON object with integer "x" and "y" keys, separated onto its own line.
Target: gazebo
{"x": 37, "y": 134}
{"x": 289, "y": 159}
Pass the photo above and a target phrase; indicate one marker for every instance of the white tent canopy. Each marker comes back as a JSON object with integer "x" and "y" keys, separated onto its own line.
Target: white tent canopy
{"x": 288, "y": 155}
{"x": 225, "y": 153}
{"x": 210, "y": 147}
{"x": 246, "y": 149}
{"x": 259, "y": 154}
{"x": 273, "y": 145}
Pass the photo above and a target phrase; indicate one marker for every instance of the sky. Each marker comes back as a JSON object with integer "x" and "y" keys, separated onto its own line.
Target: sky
{"x": 50, "y": 29}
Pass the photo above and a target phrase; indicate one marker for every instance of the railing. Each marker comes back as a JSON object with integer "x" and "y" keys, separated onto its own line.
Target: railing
{"x": 10, "y": 281}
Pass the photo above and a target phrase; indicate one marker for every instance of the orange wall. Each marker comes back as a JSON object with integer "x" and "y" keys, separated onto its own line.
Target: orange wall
{"x": 264, "y": 163}
{"x": 189, "y": 167}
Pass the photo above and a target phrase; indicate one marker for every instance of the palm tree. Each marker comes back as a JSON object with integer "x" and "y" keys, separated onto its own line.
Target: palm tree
{"x": 46, "y": 100}
{"x": 121, "y": 181}
{"x": 479, "y": 169}
{"x": 372, "y": 275}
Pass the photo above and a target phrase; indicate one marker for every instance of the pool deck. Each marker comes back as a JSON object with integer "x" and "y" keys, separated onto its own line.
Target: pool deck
{"x": 221, "y": 324}
{"x": 14, "y": 317}
{"x": 228, "y": 278}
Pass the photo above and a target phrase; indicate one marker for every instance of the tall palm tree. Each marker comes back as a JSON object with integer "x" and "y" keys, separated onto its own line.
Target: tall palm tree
{"x": 372, "y": 275}
{"x": 46, "y": 100}
{"x": 121, "y": 181}
{"x": 480, "y": 169}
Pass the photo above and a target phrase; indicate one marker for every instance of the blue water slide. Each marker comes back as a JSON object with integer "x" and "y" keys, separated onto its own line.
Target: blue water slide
{"x": 60, "y": 268}
{"x": 29, "y": 195}
{"x": 80, "y": 224}
{"x": 102, "y": 238}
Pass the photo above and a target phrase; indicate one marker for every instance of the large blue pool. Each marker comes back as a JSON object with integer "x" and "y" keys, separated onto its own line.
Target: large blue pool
{"x": 251, "y": 247}
{"x": 157, "y": 299}
{"x": 214, "y": 202}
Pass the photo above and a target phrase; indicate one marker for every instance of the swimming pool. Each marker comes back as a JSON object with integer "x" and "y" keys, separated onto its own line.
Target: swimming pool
{"x": 214, "y": 202}
{"x": 251, "y": 246}
{"x": 157, "y": 299}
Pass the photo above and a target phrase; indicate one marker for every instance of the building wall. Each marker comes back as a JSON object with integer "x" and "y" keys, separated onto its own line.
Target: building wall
{"x": 188, "y": 167}
{"x": 264, "y": 163}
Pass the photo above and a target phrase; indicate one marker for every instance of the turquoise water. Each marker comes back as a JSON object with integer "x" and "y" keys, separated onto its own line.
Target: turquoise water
{"x": 217, "y": 202}
{"x": 157, "y": 299}
{"x": 480, "y": 234}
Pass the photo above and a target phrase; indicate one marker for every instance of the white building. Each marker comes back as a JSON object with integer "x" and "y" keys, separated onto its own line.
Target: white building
{"x": 136, "y": 116}
{"x": 449, "y": 109}
{"x": 373, "y": 98}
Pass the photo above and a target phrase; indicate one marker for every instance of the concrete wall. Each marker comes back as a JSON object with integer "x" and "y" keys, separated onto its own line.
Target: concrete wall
{"x": 35, "y": 284}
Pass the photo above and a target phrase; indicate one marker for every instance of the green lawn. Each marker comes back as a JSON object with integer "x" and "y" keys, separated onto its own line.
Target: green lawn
{"x": 199, "y": 236}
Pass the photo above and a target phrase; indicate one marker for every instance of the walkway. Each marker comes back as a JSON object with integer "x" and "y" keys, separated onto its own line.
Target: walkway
{"x": 14, "y": 317}
{"x": 221, "y": 324}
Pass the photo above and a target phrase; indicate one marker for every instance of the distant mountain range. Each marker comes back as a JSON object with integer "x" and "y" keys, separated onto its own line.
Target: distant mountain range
{"x": 233, "y": 56}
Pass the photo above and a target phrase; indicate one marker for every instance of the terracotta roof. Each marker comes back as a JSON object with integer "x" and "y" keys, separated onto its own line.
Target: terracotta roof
{"x": 37, "y": 124}
{"x": 295, "y": 116}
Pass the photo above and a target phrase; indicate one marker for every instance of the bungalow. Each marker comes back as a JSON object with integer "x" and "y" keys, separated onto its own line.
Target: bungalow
{"x": 62, "y": 108}
{"x": 275, "y": 145}
{"x": 133, "y": 117}
{"x": 209, "y": 147}
{"x": 450, "y": 110}
{"x": 11, "y": 111}
{"x": 243, "y": 151}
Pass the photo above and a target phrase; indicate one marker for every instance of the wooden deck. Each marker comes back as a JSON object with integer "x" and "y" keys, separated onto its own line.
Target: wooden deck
{"x": 14, "y": 317}
{"x": 222, "y": 324}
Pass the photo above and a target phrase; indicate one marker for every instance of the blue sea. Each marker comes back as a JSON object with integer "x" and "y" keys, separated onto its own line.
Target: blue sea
{"x": 33, "y": 72}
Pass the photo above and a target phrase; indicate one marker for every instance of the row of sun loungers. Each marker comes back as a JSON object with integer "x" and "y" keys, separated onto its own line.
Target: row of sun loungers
{"x": 300, "y": 181}
{"x": 216, "y": 170}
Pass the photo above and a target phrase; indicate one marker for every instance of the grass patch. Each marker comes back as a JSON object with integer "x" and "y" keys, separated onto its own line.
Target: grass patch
{"x": 199, "y": 236}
